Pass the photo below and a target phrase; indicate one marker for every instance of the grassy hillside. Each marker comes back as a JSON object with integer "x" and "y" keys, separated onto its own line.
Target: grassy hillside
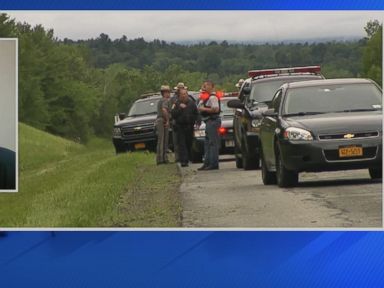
{"x": 64, "y": 184}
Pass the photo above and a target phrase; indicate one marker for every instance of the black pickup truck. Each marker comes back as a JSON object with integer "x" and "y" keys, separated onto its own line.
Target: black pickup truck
{"x": 254, "y": 96}
{"x": 136, "y": 131}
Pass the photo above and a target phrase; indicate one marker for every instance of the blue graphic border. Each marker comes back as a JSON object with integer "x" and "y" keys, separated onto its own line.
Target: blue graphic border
{"x": 192, "y": 259}
{"x": 191, "y": 5}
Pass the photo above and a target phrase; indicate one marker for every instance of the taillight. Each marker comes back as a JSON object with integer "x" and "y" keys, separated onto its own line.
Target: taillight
{"x": 222, "y": 130}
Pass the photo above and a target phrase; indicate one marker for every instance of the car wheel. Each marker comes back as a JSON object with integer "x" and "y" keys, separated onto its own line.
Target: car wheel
{"x": 239, "y": 161}
{"x": 120, "y": 150}
{"x": 284, "y": 177}
{"x": 250, "y": 162}
{"x": 269, "y": 178}
{"x": 376, "y": 172}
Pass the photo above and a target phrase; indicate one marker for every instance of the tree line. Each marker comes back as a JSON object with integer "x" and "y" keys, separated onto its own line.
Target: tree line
{"x": 74, "y": 88}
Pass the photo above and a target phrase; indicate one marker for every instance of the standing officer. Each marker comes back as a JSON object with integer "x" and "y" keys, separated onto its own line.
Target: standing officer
{"x": 184, "y": 112}
{"x": 7, "y": 169}
{"x": 239, "y": 83}
{"x": 162, "y": 125}
{"x": 172, "y": 101}
{"x": 210, "y": 112}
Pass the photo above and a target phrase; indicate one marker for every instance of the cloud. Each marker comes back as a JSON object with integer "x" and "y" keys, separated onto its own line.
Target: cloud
{"x": 202, "y": 25}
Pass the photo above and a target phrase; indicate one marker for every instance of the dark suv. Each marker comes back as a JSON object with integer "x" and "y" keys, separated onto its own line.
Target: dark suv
{"x": 136, "y": 131}
{"x": 254, "y": 96}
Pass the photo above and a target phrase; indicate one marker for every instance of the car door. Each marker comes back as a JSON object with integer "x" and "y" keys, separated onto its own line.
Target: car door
{"x": 268, "y": 128}
{"x": 239, "y": 117}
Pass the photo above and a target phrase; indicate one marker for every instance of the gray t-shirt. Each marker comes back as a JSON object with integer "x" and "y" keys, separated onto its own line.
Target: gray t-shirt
{"x": 162, "y": 104}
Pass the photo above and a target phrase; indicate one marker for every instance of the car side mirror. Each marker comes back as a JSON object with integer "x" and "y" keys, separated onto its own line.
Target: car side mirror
{"x": 247, "y": 90}
{"x": 270, "y": 113}
{"x": 238, "y": 112}
{"x": 235, "y": 103}
{"x": 122, "y": 116}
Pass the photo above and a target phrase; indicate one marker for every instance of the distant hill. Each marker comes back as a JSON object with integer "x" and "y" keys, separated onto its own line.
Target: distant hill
{"x": 270, "y": 41}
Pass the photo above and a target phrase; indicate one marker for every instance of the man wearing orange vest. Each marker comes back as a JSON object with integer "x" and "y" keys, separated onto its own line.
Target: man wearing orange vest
{"x": 210, "y": 111}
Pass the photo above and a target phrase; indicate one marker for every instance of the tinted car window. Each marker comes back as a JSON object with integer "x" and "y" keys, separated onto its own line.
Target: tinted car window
{"x": 332, "y": 98}
{"x": 144, "y": 107}
{"x": 263, "y": 91}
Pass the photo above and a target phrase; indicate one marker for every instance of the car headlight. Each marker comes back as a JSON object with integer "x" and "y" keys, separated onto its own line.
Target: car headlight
{"x": 117, "y": 132}
{"x": 199, "y": 133}
{"x": 255, "y": 123}
{"x": 294, "y": 134}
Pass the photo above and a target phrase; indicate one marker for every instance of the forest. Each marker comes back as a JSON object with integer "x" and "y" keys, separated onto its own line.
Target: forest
{"x": 74, "y": 88}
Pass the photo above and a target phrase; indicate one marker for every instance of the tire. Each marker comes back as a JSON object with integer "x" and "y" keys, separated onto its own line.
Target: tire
{"x": 250, "y": 162}
{"x": 269, "y": 178}
{"x": 284, "y": 177}
{"x": 239, "y": 161}
{"x": 120, "y": 150}
{"x": 376, "y": 172}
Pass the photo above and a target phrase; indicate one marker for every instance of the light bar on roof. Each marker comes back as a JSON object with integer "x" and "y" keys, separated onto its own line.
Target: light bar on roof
{"x": 305, "y": 69}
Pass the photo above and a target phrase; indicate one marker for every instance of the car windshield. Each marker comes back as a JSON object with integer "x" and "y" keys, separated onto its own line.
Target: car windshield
{"x": 264, "y": 91}
{"x": 144, "y": 108}
{"x": 225, "y": 109}
{"x": 333, "y": 98}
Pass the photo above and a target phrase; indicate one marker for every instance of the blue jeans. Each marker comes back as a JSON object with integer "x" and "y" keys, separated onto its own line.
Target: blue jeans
{"x": 212, "y": 142}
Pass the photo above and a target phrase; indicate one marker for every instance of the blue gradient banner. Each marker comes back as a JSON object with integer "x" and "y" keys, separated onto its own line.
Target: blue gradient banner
{"x": 191, "y": 5}
{"x": 191, "y": 259}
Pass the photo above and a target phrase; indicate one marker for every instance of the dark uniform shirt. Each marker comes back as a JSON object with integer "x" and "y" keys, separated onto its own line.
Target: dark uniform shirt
{"x": 185, "y": 116}
{"x": 7, "y": 169}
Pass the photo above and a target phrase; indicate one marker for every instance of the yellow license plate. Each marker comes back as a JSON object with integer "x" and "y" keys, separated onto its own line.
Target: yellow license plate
{"x": 350, "y": 151}
{"x": 139, "y": 145}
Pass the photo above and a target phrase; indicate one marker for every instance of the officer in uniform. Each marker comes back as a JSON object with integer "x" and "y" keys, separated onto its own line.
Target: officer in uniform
{"x": 239, "y": 83}
{"x": 172, "y": 101}
{"x": 162, "y": 125}
{"x": 7, "y": 169}
{"x": 210, "y": 112}
{"x": 184, "y": 112}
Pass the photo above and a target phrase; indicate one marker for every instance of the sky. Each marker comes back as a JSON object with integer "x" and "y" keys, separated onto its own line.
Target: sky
{"x": 180, "y": 26}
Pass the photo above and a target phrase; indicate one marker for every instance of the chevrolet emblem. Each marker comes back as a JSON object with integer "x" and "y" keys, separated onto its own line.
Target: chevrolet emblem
{"x": 349, "y": 136}
{"x": 139, "y": 128}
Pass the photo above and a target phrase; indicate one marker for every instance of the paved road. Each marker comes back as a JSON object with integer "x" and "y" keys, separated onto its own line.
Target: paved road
{"x": 232, "y": 197}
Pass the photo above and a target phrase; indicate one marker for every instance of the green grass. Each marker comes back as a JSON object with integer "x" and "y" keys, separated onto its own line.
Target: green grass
{"x": 64, "y": 184}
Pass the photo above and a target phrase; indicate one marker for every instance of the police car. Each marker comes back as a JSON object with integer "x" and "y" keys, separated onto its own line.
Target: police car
{"x": 324, "y": 125}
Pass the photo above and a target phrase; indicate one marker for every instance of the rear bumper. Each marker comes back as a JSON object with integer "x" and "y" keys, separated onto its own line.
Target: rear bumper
{"x": 323, "y": 155}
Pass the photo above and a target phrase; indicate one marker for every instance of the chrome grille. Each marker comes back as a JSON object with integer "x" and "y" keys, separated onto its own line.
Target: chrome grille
{"x": 359, "y": 135}
{"x": 137, "y": 130}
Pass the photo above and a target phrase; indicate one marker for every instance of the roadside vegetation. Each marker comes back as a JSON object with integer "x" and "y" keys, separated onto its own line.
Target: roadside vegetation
{"x": 65, "y": 184}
